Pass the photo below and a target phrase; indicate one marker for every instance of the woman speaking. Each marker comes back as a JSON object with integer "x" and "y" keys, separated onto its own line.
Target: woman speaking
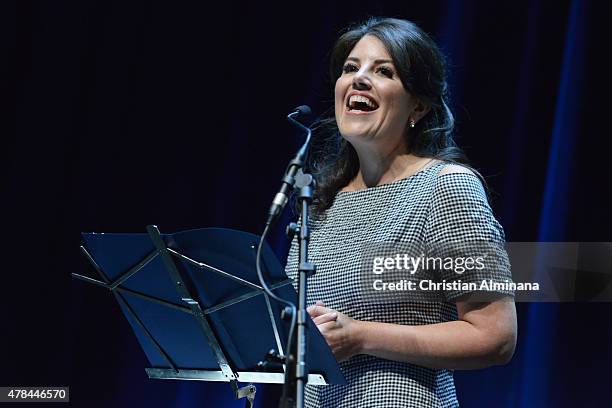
{"x": 391, "y": 173}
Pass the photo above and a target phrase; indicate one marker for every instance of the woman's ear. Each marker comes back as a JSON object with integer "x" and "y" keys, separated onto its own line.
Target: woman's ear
{"x": 421, "y": 109}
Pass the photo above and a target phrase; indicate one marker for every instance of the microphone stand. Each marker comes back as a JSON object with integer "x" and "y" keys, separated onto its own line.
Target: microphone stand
{"x": 306, "y": 185}
{"x": 296, "y": 373}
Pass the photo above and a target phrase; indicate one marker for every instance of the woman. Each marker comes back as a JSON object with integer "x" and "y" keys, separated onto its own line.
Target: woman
{"x": 393, "y": 174}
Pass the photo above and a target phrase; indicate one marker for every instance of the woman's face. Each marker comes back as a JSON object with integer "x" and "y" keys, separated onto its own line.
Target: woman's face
{"x": 370, "y": 101}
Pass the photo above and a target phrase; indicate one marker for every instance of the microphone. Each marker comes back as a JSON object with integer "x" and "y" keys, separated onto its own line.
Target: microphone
{"x": 302, "y": 110}
{"x": 280, "y": 199}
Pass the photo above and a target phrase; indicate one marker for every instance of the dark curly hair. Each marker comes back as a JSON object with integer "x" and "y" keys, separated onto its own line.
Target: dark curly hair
{"x": 422, "y": 69}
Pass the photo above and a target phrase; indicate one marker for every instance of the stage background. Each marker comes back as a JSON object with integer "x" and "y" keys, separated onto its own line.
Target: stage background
{"x": 120, "y": 114}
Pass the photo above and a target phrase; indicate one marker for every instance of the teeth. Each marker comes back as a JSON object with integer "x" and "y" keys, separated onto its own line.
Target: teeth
{"x": 360, "y": 98}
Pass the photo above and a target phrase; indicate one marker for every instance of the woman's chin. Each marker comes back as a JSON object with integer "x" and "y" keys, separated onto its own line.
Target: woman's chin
{"x": 357, "y": 137}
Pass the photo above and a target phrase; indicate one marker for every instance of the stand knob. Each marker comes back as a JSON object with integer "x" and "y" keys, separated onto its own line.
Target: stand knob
{"x": 286, "y": 314}
{"x": 292, "y": 229}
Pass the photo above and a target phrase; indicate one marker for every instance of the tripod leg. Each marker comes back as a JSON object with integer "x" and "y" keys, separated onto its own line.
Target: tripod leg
{"x": 250, "y": 400}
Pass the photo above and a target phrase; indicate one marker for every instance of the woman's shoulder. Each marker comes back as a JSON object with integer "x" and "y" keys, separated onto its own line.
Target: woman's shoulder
{"x": 444, "y": 167}
{"x": 454, "y": 168}
{"x": 450, "y": 173}
{"x": 454, "y": 181}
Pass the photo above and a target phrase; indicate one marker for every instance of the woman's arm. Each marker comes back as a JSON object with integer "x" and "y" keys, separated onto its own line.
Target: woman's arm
{"x": 484, "y": 335}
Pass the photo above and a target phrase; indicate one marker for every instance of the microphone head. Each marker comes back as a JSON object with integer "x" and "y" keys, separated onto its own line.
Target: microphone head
{"x": 303, "y": 110}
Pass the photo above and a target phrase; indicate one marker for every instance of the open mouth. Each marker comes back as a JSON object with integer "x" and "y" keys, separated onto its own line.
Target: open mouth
{"x": 360, "y": 103}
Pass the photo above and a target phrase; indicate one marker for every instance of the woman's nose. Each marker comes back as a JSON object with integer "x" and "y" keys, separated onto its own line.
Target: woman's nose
{"x": 361, "y": 80}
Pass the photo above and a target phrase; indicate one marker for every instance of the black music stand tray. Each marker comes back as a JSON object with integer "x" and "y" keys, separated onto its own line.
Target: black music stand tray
{"x": 195, "y": 304}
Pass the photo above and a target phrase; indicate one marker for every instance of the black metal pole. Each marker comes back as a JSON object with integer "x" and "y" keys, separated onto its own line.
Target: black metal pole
{"x": 305, "y": 183}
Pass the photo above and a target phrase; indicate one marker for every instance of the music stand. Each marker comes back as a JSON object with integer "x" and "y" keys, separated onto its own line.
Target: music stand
{"x": 196, "y": 307}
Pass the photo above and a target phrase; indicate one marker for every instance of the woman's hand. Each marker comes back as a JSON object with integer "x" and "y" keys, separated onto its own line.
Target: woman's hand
{"x": 340, "y": 331}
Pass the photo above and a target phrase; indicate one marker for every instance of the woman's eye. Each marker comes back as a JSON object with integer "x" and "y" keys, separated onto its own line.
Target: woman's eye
{"x": 388, "y": 72}
{"x": 349, "y": 68}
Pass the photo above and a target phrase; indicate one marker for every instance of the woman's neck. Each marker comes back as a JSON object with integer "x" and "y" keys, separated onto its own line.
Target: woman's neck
{"x": 378, "y": 167}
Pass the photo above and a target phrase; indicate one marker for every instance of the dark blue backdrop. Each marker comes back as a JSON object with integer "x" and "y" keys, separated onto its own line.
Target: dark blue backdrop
{"x": 121, "y": 114}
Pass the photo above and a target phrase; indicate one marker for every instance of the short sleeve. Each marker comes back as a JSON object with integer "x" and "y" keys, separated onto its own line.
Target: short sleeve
{"x": 462, "y": 230}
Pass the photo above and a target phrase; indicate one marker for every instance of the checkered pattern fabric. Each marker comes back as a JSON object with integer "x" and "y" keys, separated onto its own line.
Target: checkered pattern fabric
{"x": 425, "y": 207}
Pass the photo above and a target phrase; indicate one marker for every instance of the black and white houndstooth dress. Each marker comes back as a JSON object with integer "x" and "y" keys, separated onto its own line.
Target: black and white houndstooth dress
{"x": 425, "y": 207}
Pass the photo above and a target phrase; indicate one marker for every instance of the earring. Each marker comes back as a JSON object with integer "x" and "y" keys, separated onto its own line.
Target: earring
{"x": 412, "y": 123}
